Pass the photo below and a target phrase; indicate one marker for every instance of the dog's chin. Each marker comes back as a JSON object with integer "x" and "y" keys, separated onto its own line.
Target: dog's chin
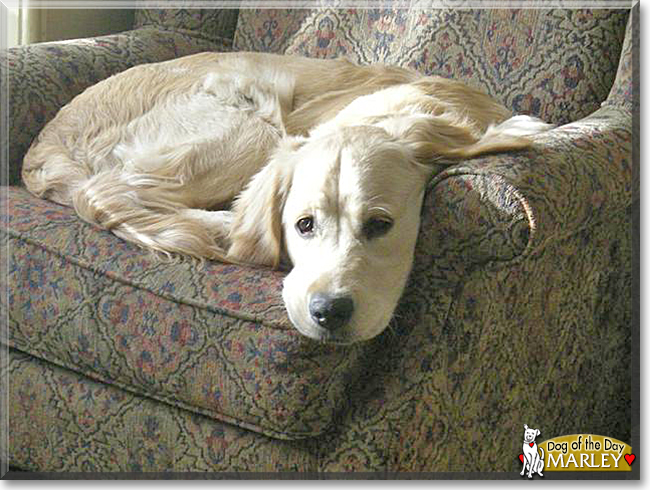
{"x": 343, "y": 336}
{"x": 323, "y": 335}
{"x": 346, "y": 335}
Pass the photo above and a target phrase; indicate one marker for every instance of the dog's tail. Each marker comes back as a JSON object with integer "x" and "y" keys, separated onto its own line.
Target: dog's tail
{"x": 145, "y": 209}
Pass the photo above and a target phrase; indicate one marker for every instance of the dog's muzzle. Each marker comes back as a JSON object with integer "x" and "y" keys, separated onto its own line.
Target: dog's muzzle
{"x": 331, "y": 312}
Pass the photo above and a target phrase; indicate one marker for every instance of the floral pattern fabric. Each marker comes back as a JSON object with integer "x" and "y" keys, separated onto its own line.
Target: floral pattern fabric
{"x": 518, "y": 56}
{"x": 215, "y": 25}
{"x": 215, "y": 339}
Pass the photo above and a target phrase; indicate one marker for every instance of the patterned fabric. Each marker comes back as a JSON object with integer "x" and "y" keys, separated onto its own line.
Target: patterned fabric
{"x": 517, "y": 310}
{"x": 57, "y": 416}
{"x": 214, "y": 339}
{"x": 216, "y": 25}
{"x": 623, "y": 90}
{"x": 552, "y": 63}
{"x": 591, "y": 157}
{"x": 268, "y": 30}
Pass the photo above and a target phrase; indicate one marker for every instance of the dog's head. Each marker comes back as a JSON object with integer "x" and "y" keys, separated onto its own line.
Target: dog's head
{"x": 530, "y": 434}
{"x": 351, "y": 221}
{"x": 345, "y": 208}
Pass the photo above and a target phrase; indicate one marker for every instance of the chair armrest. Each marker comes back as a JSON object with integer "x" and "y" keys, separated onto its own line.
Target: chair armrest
{"x": 42, "y": 78}
{"x": 504, "y": 207}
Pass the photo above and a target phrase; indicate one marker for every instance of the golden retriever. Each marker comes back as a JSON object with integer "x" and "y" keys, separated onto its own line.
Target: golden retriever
{"x": 264, "y": 159}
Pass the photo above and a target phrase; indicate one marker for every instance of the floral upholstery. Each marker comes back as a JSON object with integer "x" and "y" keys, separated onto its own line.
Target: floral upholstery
{"x": 517, "y": 310}
{"x": 214, "y": 339}
{"x": 518, "y": 56}
{"x": 215, "y": 25}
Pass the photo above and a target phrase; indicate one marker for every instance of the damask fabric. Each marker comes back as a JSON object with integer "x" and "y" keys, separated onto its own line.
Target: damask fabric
{"x": 212, "y": 24}
{"x": 57, "y": 426}
{"x": 555, "y": 64}
{"x": 213, "y": 339}
{"x": 623, "y": 90}
{"x": 498, "y": 208}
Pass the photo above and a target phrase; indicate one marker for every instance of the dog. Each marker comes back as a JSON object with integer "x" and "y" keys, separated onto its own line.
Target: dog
{"x": 319, "y": 166}
{"x": 533, "y": 461}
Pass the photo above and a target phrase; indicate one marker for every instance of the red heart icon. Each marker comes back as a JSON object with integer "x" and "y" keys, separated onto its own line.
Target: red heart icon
{"x": 531, "y": 444}
{"x": 630, "y": 458}
{"x": 521, "y": 458}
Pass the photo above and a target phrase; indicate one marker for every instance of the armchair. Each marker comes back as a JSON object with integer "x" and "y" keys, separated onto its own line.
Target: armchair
{"x": 518, "y": 309}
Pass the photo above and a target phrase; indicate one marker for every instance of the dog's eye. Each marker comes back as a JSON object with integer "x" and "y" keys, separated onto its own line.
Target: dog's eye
{"x": 376, "y": 227}
{"x": 305, "y": 225}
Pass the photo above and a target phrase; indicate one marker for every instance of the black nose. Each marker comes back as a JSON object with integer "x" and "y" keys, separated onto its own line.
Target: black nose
{"x": 331, "y": 312}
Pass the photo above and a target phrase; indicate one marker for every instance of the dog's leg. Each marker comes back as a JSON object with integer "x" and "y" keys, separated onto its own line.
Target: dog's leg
{"x": 532, "y": 465}
{"x": 48, "y": 172}
{"x": 146, "y": 210}
{"x": 526, "y": 464}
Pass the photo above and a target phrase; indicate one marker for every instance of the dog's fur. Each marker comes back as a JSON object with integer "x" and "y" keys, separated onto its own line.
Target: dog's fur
{"x": 533, "y": 461}
{"x": 219, "y": 156}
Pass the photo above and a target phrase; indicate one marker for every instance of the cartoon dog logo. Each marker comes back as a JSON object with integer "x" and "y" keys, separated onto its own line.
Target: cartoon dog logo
{"x": 532, "y": 460}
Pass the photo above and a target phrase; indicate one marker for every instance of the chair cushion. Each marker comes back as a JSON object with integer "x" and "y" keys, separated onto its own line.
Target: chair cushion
{"x": 214, "y": 338}
{"x": 557, "y": 64}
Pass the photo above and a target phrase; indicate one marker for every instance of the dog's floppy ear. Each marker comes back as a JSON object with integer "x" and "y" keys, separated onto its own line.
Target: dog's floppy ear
{"x": 434, "y": 139}
{"x": 506, "y": 136}
{"x": 431, "y": 138}
{"x": 537, "y": 432}
{"x": 256, "y": 233}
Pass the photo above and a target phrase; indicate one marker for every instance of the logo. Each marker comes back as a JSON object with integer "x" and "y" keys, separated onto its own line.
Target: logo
{"x": 532, "y": 460}
{"x": 576, "y": 452}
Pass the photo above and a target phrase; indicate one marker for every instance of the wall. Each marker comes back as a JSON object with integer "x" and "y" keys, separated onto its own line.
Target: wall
{"x": 75, "y": 23}
{"x": 42, "y": 25}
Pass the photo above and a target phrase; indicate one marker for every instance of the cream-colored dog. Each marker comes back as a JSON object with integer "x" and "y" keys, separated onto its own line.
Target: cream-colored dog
{"x": 262, "y": 159}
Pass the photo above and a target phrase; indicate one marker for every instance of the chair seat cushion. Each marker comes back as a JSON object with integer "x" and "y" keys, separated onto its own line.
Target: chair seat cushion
{"x": 213, "y": 338}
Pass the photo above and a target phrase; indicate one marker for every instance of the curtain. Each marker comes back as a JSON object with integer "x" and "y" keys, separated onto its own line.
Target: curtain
{"x": 24, "y": 25}
{"x": 32, "y": 24}
{"x": 35, "y": 25}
